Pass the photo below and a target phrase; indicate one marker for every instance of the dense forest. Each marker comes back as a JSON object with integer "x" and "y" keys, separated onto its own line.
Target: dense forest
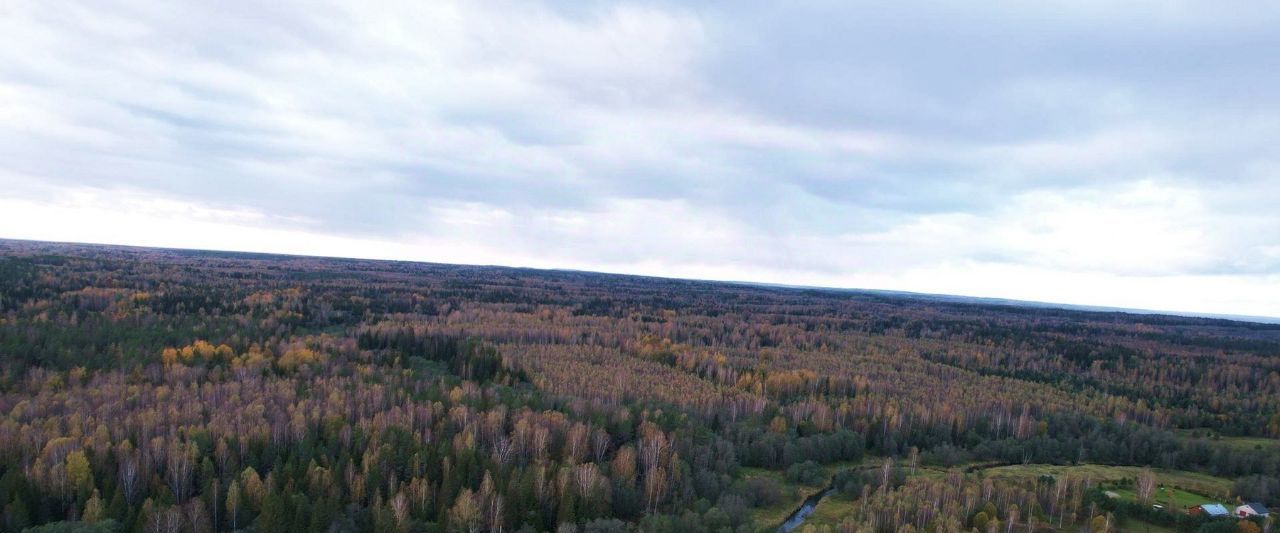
{"x": 167, "y": 390}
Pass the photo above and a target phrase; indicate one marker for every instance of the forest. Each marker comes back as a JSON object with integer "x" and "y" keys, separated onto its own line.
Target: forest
{"x": 155, "y": 390}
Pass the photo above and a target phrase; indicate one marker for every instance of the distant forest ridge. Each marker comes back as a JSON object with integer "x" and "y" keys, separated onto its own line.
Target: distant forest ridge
{"x": 887, "y": 293}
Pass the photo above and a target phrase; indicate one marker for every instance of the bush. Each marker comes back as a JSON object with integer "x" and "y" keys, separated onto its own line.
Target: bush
{"x": 808, "y": 473}
{"x": 105, "y": 526}
{"x": 1218, "y": 526}
{"x": 761, "y": 492}
{"x": 605, "y": 525}
{"x": 980, "y": 520}
{"x": 945, "y": 456}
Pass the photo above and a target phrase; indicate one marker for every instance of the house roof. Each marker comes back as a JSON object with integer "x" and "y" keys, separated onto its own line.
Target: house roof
{"x": 1256, "y": 507}
{"x": 1215, "y": 509}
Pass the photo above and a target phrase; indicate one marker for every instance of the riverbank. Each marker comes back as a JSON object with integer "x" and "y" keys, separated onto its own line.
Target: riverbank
{"x": 797, "y": 517}
{"x": 794, "y": 495}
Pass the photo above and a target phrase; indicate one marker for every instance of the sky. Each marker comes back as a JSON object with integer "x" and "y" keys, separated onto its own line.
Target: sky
{"x": 1087, "y": 152}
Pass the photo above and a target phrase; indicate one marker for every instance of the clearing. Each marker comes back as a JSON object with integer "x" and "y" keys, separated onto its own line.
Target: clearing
{"x": 1193, "y": 482}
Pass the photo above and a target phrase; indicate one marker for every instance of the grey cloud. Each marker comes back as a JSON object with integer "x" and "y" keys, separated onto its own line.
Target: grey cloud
{"x": 788, "y": 127}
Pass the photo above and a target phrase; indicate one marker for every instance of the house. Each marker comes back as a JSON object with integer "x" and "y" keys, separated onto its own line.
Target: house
{"x": 1213, "y": 510}
{"x": 1251, "y": 509}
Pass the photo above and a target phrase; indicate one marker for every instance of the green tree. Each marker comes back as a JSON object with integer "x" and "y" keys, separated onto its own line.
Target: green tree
{"x": 980, "y": 520}
{"x": 275, "y": 516}
{"x": 94, "y": 511}
{"x": 79, "y": 473}
{"x": 18, "y": 515}
{"x": 566, "y": 512}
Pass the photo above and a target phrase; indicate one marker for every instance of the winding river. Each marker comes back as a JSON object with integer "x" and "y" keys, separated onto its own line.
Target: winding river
{"x": 806, "y": 508}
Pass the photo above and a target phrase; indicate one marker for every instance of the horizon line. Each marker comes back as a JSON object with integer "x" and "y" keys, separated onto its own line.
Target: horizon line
{"x": 963, "y": 298}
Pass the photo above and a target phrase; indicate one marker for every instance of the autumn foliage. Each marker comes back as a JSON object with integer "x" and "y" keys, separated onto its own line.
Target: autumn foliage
{"x": 160, "y": 390}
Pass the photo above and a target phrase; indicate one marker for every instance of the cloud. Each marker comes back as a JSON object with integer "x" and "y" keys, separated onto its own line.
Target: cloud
{"x": 943, "y": 147}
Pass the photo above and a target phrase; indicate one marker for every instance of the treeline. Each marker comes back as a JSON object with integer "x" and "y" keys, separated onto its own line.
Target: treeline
{"x": 470, "y": 358}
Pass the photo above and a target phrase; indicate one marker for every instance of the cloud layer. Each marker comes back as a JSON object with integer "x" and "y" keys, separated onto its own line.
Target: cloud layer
{"x": 1066, "y": 151}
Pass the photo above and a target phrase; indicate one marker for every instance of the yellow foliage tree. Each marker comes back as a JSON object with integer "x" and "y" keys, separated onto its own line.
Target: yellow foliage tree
{"x": 79, "y": 473}
{"x": 94, "y": 511}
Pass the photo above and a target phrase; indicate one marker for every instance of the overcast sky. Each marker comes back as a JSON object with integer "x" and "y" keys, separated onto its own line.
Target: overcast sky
{"x": 1077, "y": 151}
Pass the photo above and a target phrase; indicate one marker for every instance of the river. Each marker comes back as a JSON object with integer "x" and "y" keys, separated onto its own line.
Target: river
{"x": 797, "y": 517}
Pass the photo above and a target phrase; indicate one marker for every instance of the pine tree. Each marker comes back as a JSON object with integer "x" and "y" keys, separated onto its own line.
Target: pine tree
{"x": 566, "y": 512}
{"x": 274, "y": 516}
{"x": 119, "y": 509}
{"x": 17, "y": 514}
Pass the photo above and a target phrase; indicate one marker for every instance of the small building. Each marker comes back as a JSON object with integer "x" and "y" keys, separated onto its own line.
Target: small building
{"x": 1252, "y": 509}
{"x": 1210, "y": 509}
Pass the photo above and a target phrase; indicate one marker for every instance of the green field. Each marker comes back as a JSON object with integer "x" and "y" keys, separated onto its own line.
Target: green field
{"x": 831, "y": 511}
{"x": 1235, "y": 443}
{"x": 1181, "y": 498}
{"x": 1138, "y": 526}
{"x": 1210, "y": 486}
